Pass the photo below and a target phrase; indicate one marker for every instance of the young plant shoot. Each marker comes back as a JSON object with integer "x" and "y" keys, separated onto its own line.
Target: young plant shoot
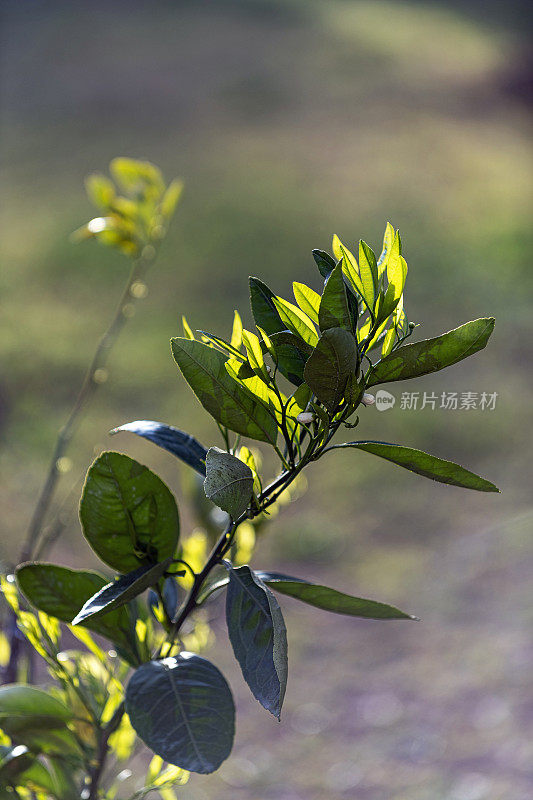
{"x": 295, "y": 384}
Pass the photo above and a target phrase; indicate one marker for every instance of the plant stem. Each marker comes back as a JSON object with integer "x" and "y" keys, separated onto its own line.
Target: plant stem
{"x": 88, "y": 388}
{"x": 103, "y": 749}
{"x": 266, "y": 498}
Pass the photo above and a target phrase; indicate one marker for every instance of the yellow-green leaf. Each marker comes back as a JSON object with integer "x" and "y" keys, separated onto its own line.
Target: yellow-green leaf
{"x": 307, "y": 299}
{"x": 295, "y": 319}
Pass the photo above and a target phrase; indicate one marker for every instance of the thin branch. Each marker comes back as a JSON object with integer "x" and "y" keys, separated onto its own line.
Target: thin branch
{"x": 88, "y": 388}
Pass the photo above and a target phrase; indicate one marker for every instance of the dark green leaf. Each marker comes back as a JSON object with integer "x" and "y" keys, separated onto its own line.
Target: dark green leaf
{"x": 264, "y": 311}
{"x": 328, "y": 368}
{"x": 431, "y": 355}
{"x": 290, "y": 362}
{"x": 258, "y": 637}
{"x": 424, "y": 464}
{"x": 228, "y": 482}
{"x": 14, "y": 759}
{"x": 128, "y": 515}
{"x": 317, "y": 595}
{"x": 324, "y": 262}
{"x": 119, "y": 592}
{"x": 228, "y": 401}
{"x": 60, "y": 592}
{"x": 334, "y": 311}
{"x": 180, "y": 444}
{"x": 292, "y": 340}
{"x": 330, "y": 599}
{"x": 183, "y": 710}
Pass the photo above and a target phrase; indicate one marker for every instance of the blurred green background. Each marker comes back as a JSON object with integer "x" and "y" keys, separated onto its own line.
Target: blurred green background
{"x": 290, "y": 121}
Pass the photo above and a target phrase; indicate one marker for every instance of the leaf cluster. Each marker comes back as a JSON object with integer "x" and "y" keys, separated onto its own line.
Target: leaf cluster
{"x": 292, "y": 383}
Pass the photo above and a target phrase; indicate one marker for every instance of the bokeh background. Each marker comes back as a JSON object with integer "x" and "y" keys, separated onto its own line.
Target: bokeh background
{"x": 290, "y": 121}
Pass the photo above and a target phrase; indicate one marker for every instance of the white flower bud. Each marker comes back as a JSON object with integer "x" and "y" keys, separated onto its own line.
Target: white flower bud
{"x": 305, "y": 417}
{"x": 368, "y": 399}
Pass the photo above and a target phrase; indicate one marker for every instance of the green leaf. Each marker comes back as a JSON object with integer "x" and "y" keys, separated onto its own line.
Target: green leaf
{"x": 135, "y": 176}
{"x": 330, "y": 599}
{"x": 290, "y": 339}
{"x": 24, "y": 707}
{"x": 54, "y": 779}
{"x": 221, "y": 344}
{"x": 48, "y": 740}
{"x": 334, "y": 312}
{"x": 263, "y": 309}
{"x": 295, "y": 319}
{"x": 255, "y": 355}
{"x": 307, "y": 299}
{"x": 183, "y": 710}
{"x": 228, "y": 482}
{"x": 423, "y": 464}
{"x": 230, "y": 403}
{"x": 368, "y": 270}
{"x": 236, "y": 331}
{"x": 171, "y": 198}
{"x": 60, "y": 592}
{"x": 431, "y": 355}
{"x": 258, "y": 636}
{"x": 128, "y": 515}
{"x": 290, "y": 363}
{"x": 324, "y": 262}
{"x": 121, "y": 591}
{"x": 349, "y": 267}
{"x": 100, "y": 190}
{"x": 396, "y": 268}
{"x": 180, "y": 444}
{"x": 388, "y": 239}
{"x": 328, "y": 368}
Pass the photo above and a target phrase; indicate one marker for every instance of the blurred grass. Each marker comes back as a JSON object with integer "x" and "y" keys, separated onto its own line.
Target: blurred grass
{"x": 288, "y": 121}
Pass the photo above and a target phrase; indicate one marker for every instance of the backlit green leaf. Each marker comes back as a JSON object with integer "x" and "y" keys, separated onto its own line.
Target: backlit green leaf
{"x": 100, "y": 190}
{"x": 255, "y": 355}
{"x": 230, "y": 403}
{"x": 128, "y": 515}
{"x": 369, "y": 272}
{"x": 171, "y": 198}
{"x": 330, "y": 599}
{"x": 60, "y": 592}
{"x": 307, "y": 299}
{"x": 431, "y": 355}
{"x": 388, "y": 239}
{"x": 295, "y": 319}
{"x": 423, "y": 464}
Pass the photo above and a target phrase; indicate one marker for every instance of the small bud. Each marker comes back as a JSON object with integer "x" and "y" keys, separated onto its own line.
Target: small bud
{"x": 305, "y": 417}
{"x": 368, "y": 399}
